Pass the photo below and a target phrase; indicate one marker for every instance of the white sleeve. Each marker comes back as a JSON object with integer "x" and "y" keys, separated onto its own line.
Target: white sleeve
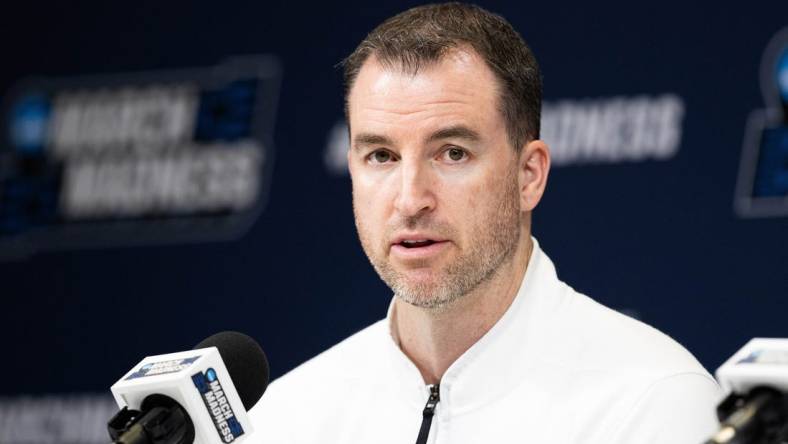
{"x": 679, "y": 409}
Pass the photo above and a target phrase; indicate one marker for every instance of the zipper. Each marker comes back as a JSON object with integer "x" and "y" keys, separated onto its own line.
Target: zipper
{"x": 428, "y": 413}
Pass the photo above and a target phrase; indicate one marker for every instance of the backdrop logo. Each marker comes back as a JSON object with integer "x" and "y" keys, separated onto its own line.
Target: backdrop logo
{"x": 144, "y": 158}
{"x": 762, "y": 186}
{"x": 56, "y": 419}
{"x": 216, "y": 402}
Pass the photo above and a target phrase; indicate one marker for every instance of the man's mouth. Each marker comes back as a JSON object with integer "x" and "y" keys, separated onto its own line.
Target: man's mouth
{"x": 412, "y": 246}
{"x": 417, "y": 243}
{"x": 417, "y": 246}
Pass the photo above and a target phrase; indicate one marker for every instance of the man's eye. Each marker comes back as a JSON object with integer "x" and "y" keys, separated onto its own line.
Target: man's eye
{"x": 455, "y": 154}
{"x": 381, "y": 156}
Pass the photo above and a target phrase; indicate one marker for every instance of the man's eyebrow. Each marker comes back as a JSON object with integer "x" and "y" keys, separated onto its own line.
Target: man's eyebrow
{"x": 454, "y": 132}
{"x": 370, "y": 139}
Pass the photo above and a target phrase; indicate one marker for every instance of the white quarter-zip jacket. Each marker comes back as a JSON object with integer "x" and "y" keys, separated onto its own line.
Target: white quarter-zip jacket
{"x": 557, "y": 367}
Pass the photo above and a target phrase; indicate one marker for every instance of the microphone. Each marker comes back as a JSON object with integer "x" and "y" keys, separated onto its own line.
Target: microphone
{"x": 756, "y": 409}
{"x": 199, "y": 396}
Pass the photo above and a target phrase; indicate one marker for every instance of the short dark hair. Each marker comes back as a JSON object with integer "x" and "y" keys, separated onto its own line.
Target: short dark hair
{"x": 423, "y": 35}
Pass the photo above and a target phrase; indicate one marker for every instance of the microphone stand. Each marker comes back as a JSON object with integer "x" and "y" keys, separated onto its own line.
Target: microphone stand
{"x": 161, "y": 420}
{"x": 759, "y": 417}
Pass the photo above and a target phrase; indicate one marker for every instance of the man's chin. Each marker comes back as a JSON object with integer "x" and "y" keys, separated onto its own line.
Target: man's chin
{"x": 425, "y": 287}
{"x": 430, "y": 301}
{"x": 427, "y": 292}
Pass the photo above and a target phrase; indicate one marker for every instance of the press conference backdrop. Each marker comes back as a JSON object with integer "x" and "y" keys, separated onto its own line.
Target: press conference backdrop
{"x": 173, "y": 169}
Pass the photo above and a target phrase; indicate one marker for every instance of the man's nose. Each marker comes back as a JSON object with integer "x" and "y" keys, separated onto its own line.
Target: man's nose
{"x": 416, "y": 193}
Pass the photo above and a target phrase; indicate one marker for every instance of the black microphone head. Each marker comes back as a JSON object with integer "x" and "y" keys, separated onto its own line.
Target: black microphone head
{"x": 245, "y": 361}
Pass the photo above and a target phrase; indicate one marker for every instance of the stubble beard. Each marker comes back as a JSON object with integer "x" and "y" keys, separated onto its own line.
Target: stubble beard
{"x": 493, "y": 243}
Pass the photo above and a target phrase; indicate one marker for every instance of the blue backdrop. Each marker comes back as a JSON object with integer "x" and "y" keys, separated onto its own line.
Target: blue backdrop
{"x": 656, "y": 237}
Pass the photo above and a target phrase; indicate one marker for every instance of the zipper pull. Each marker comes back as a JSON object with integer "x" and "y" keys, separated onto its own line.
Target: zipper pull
{"x": 428, "y": 413}
{"x": 435, "y": 396}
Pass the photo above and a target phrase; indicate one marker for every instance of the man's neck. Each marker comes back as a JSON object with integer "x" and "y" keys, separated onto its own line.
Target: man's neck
{"x": 434, "y": 338}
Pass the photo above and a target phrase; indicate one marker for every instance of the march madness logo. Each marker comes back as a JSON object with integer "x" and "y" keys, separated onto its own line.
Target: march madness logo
{"x": 159, "y": 157}
{"x": 162, "y": 367}
{"x": 762, "y": 185}
{"x": 218, "y": 406}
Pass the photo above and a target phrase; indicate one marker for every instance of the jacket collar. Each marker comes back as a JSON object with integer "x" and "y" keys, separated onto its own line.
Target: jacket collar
{"x": 497, "y": 362}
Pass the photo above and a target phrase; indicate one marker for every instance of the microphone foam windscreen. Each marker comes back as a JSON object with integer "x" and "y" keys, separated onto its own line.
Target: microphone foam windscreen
{"x": 245, "y": 361}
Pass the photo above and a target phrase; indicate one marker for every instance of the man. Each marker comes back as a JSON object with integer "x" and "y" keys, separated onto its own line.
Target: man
{"x": 482, "y": 342}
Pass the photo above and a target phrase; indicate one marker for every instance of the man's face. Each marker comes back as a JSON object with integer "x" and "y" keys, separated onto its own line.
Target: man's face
{"x": 435, "y": 184}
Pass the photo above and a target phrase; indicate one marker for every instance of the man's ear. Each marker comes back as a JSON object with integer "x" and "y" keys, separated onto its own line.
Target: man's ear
{"x": 534, "y": 166}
